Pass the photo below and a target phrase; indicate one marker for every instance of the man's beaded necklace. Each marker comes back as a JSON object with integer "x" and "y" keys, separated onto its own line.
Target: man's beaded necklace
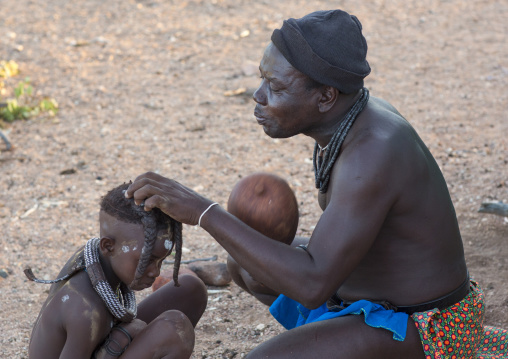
{"x": 324, "y": 157}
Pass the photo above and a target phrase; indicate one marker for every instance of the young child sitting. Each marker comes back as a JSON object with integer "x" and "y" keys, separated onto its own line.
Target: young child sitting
{"x": 91, "y": 309}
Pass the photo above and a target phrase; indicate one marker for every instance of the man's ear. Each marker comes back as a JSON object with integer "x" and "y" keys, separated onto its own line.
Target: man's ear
{"x": 107, "y": 246}
{"x": 328, "y": 98}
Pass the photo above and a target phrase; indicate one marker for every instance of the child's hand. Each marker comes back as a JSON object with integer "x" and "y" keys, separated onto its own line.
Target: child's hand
{"x": 119, "y": 339}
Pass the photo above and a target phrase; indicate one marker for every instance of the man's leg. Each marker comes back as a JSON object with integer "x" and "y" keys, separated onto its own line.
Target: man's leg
{"x": 189, "y": 298}
{"x": 344, "y": 337}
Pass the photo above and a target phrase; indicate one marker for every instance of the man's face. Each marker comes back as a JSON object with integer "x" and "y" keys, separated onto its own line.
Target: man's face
{"x": 129, "y": 239}
{"x": 285, "y": 106}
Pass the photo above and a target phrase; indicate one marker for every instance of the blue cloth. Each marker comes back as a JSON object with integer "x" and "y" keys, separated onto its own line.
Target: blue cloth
{"x": 292, "y": 314}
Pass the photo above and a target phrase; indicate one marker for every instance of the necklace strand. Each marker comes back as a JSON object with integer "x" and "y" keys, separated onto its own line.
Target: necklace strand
{"x": 323, "y": 164}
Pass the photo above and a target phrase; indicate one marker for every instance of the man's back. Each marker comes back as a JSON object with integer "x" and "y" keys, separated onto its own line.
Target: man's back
{"x": 385, "y": 164}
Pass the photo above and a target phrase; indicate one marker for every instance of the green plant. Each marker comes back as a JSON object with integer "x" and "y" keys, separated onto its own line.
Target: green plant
{"x": 25, "y": 105}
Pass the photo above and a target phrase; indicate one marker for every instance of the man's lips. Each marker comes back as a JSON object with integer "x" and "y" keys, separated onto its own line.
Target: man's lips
{"x": 259, "y": 118}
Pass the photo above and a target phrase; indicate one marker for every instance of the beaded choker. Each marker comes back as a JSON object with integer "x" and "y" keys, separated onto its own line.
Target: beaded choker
{"x": 125, "y": 312}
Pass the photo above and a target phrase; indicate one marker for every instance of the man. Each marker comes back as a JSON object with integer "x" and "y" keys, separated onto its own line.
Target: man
{"x": 384, "y": 271}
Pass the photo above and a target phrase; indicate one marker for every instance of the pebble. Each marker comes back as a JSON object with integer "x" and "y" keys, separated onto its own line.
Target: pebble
{"x": 260, "y": 327}
{"x": 215, "y": 274}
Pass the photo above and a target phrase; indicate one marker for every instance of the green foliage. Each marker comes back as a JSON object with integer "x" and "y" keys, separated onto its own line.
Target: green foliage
{"x": 24, "y": 104}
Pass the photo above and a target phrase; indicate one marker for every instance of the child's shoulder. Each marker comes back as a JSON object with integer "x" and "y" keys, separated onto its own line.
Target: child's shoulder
{"x": 73, "y": 313}
{"x": 78, "y": 291}
{"x": 77, "y": 300}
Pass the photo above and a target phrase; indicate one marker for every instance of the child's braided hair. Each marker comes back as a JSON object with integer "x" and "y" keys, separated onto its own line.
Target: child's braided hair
{"x": 124, "y": 209}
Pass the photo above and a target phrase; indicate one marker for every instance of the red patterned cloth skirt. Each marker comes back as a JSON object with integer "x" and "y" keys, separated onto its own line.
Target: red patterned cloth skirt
{"x": 457, "y": 332}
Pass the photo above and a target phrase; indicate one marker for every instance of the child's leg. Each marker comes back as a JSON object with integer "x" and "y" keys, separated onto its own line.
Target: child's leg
{"x": 189, "y": 298}
{"x": 170, "y": 335}
{"x": 171, "y": 313}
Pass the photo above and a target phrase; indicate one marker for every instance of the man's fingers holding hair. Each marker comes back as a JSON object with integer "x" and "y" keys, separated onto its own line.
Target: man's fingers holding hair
{"x": 140, "y": 181}
{"x": 143, "y": 189}
{"x": 157, "y": 201}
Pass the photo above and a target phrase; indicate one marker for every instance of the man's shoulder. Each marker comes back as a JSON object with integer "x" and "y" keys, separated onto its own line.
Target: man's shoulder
{"x": 380, "y": 128}
{"x": 383, "y": 104}
{"x": 379, "y": 143}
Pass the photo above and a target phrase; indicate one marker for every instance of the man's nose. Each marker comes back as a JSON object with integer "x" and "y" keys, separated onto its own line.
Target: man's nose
{"x": 259, "y": 96}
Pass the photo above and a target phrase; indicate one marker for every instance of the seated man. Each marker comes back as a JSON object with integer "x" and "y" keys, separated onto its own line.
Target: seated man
{"x": 383, "y": 274}
{"x": 91, "y": 309}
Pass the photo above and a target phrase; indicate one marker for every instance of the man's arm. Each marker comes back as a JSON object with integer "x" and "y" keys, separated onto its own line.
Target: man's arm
{"x": 245, "y": 281}
{"x": 358, "y": 205}
{"x": 257, "y": 289}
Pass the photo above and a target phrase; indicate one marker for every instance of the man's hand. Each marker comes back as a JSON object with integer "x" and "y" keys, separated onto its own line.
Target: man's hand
{"x": 177, "y": 201}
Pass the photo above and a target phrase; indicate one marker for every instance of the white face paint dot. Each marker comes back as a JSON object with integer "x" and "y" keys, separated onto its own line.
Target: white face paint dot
{"x": 125, "y": 249}
{"x": 167, "y": 244}
{"x": 65, "y": 298}
{"x": 136, "y": 247}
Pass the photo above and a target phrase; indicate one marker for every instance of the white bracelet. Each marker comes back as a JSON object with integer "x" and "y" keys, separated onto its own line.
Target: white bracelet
{"x": 206, "y": 210}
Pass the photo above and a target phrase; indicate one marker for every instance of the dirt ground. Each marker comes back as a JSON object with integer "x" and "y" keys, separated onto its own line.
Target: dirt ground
{"x": 148, "y": 85}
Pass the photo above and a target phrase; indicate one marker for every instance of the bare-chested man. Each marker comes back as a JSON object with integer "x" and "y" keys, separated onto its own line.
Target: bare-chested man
{"x": 83, "y": 316}
{"x": 383, "y": 274}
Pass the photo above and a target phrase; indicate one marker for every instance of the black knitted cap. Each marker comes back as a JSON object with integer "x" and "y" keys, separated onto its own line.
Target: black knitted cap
{"x": 328, "y": 46}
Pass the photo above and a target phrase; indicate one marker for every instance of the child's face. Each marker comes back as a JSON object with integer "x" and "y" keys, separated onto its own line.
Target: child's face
{"x": 125, "y": 251}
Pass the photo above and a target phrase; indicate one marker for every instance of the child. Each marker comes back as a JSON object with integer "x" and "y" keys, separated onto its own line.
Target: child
{"x": 91, "y": 309}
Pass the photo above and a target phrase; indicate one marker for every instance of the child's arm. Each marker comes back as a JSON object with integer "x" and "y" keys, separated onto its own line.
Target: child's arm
{"x": 119, "y": 339}
{"x": 86, "y": 324}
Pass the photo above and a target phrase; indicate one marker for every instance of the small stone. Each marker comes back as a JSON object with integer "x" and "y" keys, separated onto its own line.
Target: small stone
{"x": 260, "y": 327}
{"x": 215, "y": 274}
{"x": 68, "y": 171}
{"x": 250, "y": 68}
{"x": 3, "y": 273}
{"x": 4, "y": 212}
{"x": 166, "y": 276}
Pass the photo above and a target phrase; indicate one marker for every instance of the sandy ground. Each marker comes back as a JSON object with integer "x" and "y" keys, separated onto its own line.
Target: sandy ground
{"x": 144, "y": 86}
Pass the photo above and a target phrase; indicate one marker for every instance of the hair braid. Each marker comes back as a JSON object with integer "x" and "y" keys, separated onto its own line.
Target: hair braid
{"x": 150, "y": 232}
{"x": 178, "y": 241}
